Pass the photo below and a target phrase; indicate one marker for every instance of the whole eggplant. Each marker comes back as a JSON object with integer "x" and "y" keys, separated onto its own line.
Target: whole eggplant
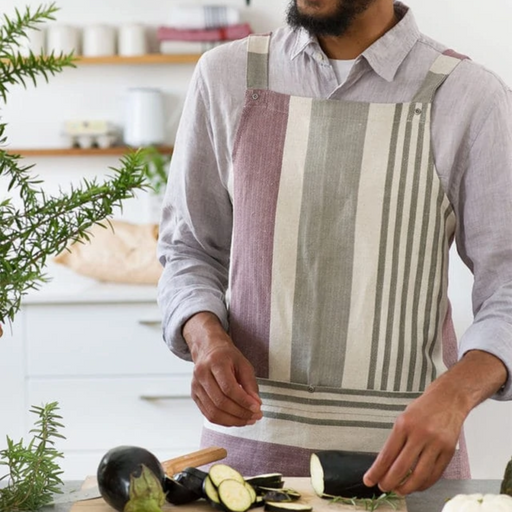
{"x": 340, "y": 473}
{"x": 131, "y": 474}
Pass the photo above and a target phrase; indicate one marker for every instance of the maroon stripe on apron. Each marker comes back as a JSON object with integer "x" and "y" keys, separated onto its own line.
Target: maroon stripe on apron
{"x": 256, "y": 176}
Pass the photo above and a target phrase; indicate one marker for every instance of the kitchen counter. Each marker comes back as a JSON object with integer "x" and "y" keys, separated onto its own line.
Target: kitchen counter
{"x": 431, "y": 500}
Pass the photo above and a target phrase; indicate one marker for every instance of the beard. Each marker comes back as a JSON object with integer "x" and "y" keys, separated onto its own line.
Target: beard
{"x": 335, "y": 24}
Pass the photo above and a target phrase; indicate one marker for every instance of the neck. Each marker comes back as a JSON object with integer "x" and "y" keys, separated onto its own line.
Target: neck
{"x": 366, "y": 29}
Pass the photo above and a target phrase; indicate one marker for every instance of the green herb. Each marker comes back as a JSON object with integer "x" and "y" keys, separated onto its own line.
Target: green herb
{"x": 156, "y": 168}
{"x": 44, "y": 225}
{"x": 33, "y": 473}
{"x": 389, "y": 499}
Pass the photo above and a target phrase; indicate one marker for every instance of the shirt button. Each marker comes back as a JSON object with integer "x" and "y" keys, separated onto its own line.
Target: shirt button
{"x": 311, "y": 389}
{"x": 255, "y": 96}
{"x": 320, "y": 56}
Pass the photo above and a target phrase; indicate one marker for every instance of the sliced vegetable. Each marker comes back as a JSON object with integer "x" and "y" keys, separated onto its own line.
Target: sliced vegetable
{"x": 259, "y": 502}
{"x": 281, "y": 495}
{"x": 211, "y": 495}
{"x": 340, "y": 473}
{"x": 272, "y": 480}
{"x": 281, "y": 506}
{"x": 506, "y": 484}
{"x": 192, "y": 479}
{"x": 251, "y": 490}
{"x": 116, "y": 473}
{"x": 178, "y": 494}
{"x": 220, "y": 472}
{"x": 234, "y": 495}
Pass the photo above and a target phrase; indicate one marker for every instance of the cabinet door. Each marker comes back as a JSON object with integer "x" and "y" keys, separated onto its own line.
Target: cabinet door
{"x": 100, "y": 413}
{"x": 98, "y": 339}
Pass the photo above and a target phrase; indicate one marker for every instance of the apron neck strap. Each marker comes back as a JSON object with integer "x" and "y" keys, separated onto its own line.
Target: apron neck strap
{"x": 442, "y": 68}
{"x": 257, "y": 61}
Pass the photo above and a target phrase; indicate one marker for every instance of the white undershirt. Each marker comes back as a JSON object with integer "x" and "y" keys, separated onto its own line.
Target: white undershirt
{"x": 342, "y": 69}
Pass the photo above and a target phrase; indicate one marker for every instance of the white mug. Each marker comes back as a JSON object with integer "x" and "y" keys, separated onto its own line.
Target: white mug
{"x": 145, "y": 117}
{"x": 132, "y": 40}
{"x": 62, "y": 39}
{"x": 34, "y": 42}
{"x": 99, "y": 41}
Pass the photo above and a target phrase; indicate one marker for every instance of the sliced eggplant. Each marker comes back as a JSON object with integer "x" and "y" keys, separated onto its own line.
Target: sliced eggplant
{"x": 192, "y": 479}
{"x": 211, "y": 495}
{"x": 178, "y": 494}
{"x": 340, "y": 473}
{"x": 251, "y": 490}
{"x": 259, "y": 502}
{"x": 281, "y": 495}
{"x": 280, "y": 506}
{"x": 272, "y": 480}
{"x": 234, "y": 495}
{"x": 221, "y": 472}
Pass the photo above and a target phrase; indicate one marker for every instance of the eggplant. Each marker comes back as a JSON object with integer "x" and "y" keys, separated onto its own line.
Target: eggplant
{"x": 506, "y": 483}
{"x": 273, "y": 480}
{"x": 192, "y": 479}
{"x": 340, "y": 473}
{"x": 131, "y": 479}
{"x": 177, "y": 494}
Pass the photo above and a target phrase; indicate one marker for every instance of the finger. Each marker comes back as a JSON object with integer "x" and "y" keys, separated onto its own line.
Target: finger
{"x": 247, "y": 380}
{"x": 440, "y": 465}
{"x": 392, "y": 447}
{"x": 420, "y": 473}
{"x": 232, "y": 389}
{"x": 401, "y": 468}
{"x": 215, "y": 415}
{"x": 222, "y": 401}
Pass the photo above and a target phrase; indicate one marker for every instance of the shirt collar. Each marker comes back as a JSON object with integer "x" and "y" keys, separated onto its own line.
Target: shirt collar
{"x": 387, "y": 53}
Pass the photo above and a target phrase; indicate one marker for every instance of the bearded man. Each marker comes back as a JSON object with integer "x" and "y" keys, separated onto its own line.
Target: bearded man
{"x": 320, "y": 176}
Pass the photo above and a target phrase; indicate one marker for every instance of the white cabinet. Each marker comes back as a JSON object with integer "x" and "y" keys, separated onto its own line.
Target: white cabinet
{"x": 103, "y": 359}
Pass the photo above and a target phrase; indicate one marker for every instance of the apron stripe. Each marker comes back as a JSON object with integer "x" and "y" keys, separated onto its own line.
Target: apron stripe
{"x": 257, "y": 61}
{"x": 381, "y": 121}
{"x": 284, "y": 264}
{"x": 331, "y": 181}
{"x": 379, "y": 295}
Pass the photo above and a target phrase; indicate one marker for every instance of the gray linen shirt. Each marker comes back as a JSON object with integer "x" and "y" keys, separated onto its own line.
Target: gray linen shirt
{"x": 472, "y": 144}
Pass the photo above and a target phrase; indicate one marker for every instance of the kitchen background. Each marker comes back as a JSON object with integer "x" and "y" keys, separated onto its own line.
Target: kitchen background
{"x": 96, "y": 348}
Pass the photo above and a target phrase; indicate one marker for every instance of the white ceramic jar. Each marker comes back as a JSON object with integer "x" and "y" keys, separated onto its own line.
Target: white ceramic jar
{"x": 34, "y": 42}
{"x": 62, "y": 39}
{"x": 132, "y": 40}
{"x": 145, "y": 117}
{"x": 99, "y": 41}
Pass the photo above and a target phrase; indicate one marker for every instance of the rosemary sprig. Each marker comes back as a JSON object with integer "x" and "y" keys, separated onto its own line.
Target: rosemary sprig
{"x": 389, "y": 499}
{"x": 33, "y": 472}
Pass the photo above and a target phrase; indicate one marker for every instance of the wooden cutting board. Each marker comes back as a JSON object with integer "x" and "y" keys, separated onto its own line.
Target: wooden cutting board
{"x": 300, "y": 484}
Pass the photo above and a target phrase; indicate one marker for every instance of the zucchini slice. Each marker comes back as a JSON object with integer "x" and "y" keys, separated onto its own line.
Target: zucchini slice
{"x": 234, "y": 495}
{"x": 340, "y": 473}
{"x": 220, "y": 472}
{"x": 280, "y": 506}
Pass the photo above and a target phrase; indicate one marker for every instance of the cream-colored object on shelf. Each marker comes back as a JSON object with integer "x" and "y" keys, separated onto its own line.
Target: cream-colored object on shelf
{"x": 98, "y": 41}
{"x": 90, "y": 133}
{"x": 124, "y": 254}
{"x": 62, "y": 39}
{"x": 132, "y": 40}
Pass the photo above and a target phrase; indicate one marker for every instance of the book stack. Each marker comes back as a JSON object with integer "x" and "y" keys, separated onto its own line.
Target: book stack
{"x": 196, "y": 29}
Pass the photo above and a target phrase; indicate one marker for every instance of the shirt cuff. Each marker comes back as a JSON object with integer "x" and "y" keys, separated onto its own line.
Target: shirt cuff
{"x": 172, "y": 328}
{"x": 495, "y": 337}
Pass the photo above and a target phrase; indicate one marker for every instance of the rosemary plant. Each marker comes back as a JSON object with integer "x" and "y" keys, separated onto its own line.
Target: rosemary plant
{"x": 390, "y": 500}
{"x": 43, "y": 225}
{"x": 33, "y": 473}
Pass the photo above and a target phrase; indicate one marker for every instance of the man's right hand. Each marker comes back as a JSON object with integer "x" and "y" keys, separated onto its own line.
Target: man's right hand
{"x": 223, "y": 385}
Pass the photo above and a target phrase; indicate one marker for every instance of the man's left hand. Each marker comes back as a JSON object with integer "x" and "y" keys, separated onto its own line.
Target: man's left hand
{"x": 421, "y": 445}
{"x": 425, "y": 435}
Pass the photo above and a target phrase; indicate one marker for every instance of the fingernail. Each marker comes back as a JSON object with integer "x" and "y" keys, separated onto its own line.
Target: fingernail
{"x": 251, "y": 422}
{"x": 254, "y": 408}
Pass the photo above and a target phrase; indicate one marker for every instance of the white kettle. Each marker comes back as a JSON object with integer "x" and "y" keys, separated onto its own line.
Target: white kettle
{"x": 145, "y": 117}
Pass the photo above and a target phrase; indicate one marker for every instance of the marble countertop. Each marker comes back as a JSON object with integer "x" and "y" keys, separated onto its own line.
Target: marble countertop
{"x": 66, "y": 286}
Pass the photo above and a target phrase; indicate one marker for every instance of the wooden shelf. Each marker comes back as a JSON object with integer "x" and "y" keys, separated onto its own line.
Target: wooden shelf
{"x": 63, "y": 152}
{"x": 152, "y": 58}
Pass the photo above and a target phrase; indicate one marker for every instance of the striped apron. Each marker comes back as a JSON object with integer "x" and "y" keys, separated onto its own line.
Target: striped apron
{"x": 338, "y": 283}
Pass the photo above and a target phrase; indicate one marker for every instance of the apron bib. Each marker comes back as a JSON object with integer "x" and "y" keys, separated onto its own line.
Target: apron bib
{"x": 339, "y": 269}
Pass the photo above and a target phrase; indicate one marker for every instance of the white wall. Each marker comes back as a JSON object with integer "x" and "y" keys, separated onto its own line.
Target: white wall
{"x": 474, "y": 27}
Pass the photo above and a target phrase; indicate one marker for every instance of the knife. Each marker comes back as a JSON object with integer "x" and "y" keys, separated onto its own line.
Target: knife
{"x": 171, "y": 467}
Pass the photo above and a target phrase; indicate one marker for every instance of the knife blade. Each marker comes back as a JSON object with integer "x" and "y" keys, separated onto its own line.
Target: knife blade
{"x": 171, "y": 467}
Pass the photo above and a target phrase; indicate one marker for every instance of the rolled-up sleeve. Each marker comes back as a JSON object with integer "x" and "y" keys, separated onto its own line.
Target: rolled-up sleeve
{"x": 484, "y": 234}
{"x": 195, "y": 231}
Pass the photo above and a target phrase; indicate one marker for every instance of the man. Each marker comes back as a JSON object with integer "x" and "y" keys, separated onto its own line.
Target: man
{"x": 320, "y": 175}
